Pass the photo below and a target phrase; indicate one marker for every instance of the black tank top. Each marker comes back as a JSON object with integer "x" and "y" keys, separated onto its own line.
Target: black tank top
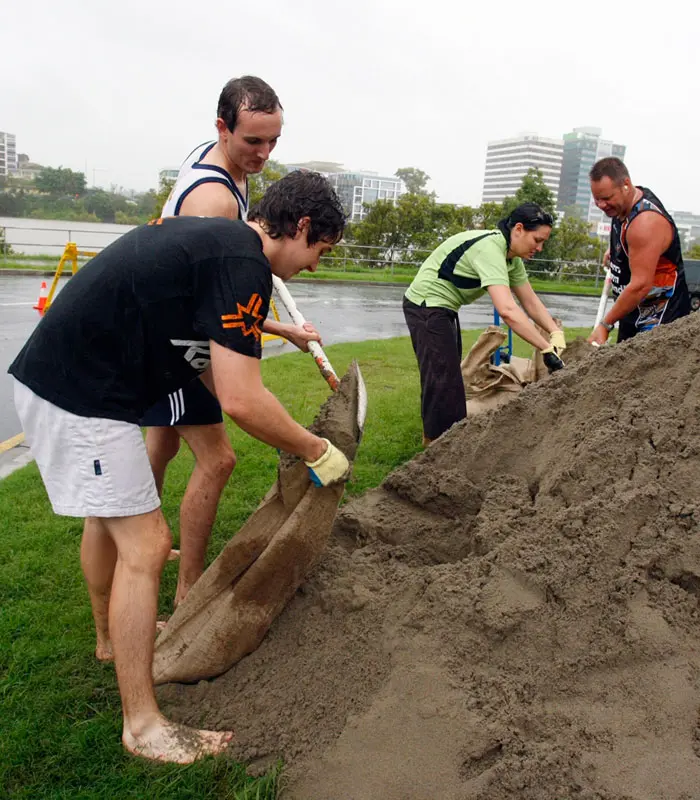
{"x": 668, "y": 298}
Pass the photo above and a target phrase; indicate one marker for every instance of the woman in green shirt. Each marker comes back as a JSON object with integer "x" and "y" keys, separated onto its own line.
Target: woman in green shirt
{"x": 460, "y": 270}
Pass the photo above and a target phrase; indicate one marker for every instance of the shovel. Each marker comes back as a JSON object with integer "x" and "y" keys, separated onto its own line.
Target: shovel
{"x": 607, "y": 285}
{"x": 315, "y": 348}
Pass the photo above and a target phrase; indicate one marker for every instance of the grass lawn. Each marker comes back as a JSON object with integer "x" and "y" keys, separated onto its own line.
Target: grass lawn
{"x": 60, "y": 721}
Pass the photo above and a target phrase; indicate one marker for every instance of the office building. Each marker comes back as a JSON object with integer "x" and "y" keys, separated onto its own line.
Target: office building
{"x": 582, "y": 148}
{"x": 27, "y": 170}
{"x": 8, "y": 154}
{"x": 688, "y": 227}
{"x": 355, "y": 189}
{"x": 508, "y": 161}
{"x": 167, "y": 174}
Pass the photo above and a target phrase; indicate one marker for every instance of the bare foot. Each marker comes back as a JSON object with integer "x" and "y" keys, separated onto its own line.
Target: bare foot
{"x": 160, "y": 625}
{"x": 163, "y": 740}
{"x": 103, "y": 651}
{"x": 173, "y": 555}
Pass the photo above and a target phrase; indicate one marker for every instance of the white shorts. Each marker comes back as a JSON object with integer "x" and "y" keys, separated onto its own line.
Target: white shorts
{"x": 91, "y": 467}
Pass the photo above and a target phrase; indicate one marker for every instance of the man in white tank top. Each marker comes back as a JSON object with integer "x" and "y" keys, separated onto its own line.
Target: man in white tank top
{"x": 213, "y": 182}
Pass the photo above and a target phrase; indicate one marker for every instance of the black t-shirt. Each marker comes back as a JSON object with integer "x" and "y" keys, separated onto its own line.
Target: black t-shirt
{"x": 134, "y": 324}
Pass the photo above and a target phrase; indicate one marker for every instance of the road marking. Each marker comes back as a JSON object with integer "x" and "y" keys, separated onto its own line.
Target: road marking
{"x": 8, "y": 444}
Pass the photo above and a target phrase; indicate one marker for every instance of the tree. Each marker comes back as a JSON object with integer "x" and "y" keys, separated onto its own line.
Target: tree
{"x": 533, "y": 189}
{"x": 694, "y": 251}
{"x": 572, "y": 241}
{"x": 400, "y": 231}
{"x": 414, "y": 178}
{"x": 60, "y": 181}
{"x": 488, "y": 215}
{"x": 259, "y": 183}
{"x": 104, "y": 205}
{"x": 165, "y": 186}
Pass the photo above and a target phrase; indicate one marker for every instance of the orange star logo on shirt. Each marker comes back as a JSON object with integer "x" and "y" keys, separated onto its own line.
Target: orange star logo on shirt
{"x": 248, "y": 318}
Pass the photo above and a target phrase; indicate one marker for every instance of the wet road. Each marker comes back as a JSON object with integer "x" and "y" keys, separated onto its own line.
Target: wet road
{"x": 343, "y": 313}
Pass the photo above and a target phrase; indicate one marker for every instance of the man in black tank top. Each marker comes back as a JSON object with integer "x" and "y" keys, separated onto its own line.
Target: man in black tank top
{"x": 646, "y": 261}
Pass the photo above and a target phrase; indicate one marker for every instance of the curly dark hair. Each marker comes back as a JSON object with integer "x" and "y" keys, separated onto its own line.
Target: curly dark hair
{"x": 246, "y": 92}
{"x": 301, "y": 194}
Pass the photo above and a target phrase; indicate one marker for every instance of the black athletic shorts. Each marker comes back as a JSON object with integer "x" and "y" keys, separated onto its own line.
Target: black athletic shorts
{"x": 194, "y": 404}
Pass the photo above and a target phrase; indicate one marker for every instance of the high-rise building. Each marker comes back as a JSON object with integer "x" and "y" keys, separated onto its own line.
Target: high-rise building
{"x": 354, "y": 189}
{"x": 582, "y": 148}
{"x": 8, "y": 154}
{"x": 688, "y": 225}
{"x": 168, "y": 174}
{"x": 508, "y": 160}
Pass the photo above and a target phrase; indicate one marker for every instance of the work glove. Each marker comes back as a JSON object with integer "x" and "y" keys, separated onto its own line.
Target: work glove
{"x": 332, "y": 467}
{"x": 551, "y": 359}
{"x": 558, "y": 342}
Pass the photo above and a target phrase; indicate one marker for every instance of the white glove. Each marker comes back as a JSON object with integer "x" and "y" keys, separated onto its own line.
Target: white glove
{"x": 332, "y": 467}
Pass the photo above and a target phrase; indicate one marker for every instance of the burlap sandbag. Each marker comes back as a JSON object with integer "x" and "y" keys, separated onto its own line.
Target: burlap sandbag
{"x": 229, "y": 610}
{"x": 486, "y": 385}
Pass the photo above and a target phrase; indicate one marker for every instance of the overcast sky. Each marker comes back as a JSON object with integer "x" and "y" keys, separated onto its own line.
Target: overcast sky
{"x": 126, "y": 88}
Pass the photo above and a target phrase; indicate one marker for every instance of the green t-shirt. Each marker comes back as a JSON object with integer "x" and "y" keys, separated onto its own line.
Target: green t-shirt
{"x": 458, "y": 271}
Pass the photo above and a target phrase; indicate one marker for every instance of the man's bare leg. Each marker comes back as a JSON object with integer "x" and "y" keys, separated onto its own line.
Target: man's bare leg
{"x": 143, "y": 543}
{"x": 98, "y": 557}
{"x": 214, "y": 463}
{"x": 162, "y": 445}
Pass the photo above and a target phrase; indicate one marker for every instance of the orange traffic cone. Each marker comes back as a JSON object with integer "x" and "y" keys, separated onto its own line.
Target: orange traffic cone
{"x": 41, "y": 302}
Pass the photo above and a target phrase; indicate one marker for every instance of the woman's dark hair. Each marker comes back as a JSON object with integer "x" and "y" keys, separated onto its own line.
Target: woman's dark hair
{"x": 301, "y": 194}
{"x": 530, "y": 215}
{"x": 246, "y": 92}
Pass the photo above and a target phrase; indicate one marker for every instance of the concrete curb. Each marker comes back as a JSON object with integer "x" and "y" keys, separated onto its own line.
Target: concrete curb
{"x": 29, "y": 272}
{"x": 15, "y": 458}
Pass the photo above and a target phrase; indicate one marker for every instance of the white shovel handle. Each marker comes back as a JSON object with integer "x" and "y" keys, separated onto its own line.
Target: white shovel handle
{"x": 315, "y": 348}
{"x": 607, "y": 283}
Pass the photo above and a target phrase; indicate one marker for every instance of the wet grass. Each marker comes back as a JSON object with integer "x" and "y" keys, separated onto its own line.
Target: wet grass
{"x": 60, "y": 721}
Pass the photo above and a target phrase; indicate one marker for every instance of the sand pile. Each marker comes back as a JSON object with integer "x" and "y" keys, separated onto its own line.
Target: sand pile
{"x": 514, "y": 614}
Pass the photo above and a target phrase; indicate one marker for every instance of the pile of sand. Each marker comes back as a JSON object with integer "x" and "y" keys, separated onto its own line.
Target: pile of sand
{"x": 512, "y": 614}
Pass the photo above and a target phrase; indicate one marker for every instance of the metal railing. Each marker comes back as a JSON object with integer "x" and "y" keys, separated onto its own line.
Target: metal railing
{"x": 373, "y": 259}
{"x": 370, "y": 259}
{"x": 12, "y": 250}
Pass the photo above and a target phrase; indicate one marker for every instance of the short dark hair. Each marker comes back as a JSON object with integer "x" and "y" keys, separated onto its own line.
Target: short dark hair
{"x": 246, "y": 92}
{"x": 531, "y": 215}
{"x": 301, "y": 194}
{"x": 611, "y": 167}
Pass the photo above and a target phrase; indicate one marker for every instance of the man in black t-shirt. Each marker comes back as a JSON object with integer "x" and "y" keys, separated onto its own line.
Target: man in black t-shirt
{"x": 178, "y": 298}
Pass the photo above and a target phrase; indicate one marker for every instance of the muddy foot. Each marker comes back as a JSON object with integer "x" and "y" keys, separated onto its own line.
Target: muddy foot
{"x": 174, "y": 743}
{"x": 173, "y": 555}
